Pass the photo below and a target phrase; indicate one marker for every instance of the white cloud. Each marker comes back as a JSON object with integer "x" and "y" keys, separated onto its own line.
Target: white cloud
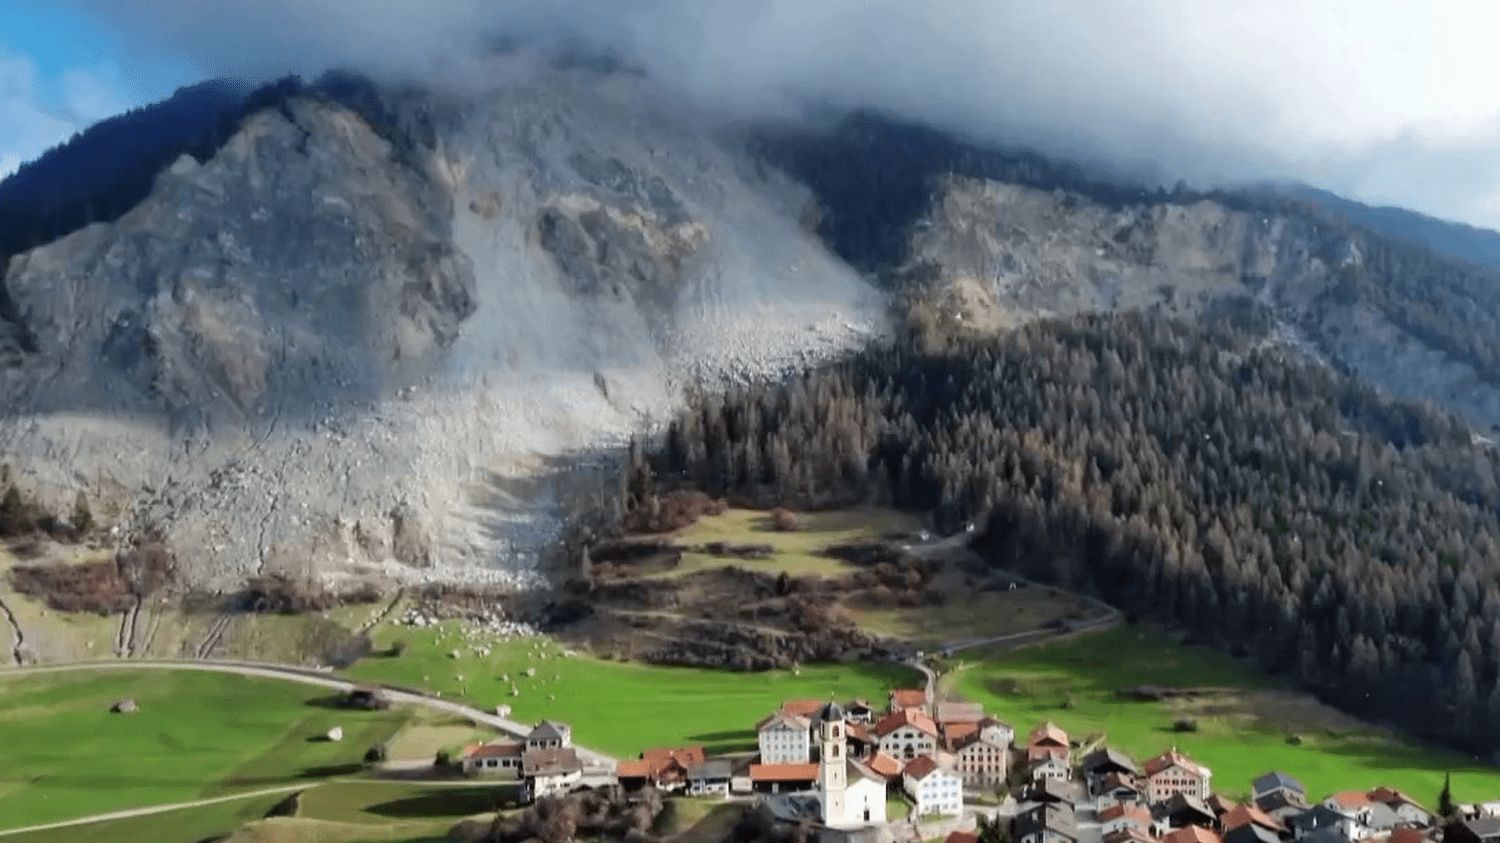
{"x": 41, "y": 113}
{"x": 1351, "y": 93}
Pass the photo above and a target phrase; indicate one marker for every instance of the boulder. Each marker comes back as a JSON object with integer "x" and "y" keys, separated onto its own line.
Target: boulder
{"x": 125, "y": 706}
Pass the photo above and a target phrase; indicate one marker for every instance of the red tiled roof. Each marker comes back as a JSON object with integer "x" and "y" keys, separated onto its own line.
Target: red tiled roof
{"x": 1247, "y": 814}
{"x": 783, "y": 772}
{"x": 796, "y": 721}
{"x": 961, "y": 837}
{"x": 1037, "y": 753}
{"x": 958, "y": 712}
{"x": 1173, "y": 758}
{"x": 956, "y": 733}
{"x": 1391, "y": 796}
{"x": 1134, "y": 812}
{"x": 661, "y": 762}
{"x": 1350, "y": 799}
{"x": 908, "y": 698}
{"x": 884, "y": 765}
{"x": 633, "y": 769}
{"x": 1407, "y": 834}
{"x": 803, "y": 708}
{"x": 906, "y": 717}
{"x": 857, "y": 732}
{"x": 1048, "y": 733}
{"x": 494, "y": 750}
{"x": 1191, "y": 834}
{"x": 922, "y": 766}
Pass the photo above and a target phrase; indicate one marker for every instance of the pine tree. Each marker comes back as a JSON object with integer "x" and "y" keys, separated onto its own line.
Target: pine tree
{"x": 1446, "y": 808}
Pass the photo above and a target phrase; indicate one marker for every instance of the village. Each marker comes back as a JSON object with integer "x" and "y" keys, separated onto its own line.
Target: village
{"x": 918, "y": 770}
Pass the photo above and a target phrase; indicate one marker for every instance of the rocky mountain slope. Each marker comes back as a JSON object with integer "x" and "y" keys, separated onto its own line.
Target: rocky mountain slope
{"x": 385, "y": 332}
{"x": 356, "y": 340}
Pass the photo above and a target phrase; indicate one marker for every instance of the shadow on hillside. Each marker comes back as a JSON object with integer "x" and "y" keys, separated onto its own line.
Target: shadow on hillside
{"x": 442, "y": 802}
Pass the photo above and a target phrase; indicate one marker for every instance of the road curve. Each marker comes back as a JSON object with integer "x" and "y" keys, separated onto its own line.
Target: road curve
{"x": 306, "y": 676}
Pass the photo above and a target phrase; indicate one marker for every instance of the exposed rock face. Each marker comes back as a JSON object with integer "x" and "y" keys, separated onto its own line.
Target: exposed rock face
{"x": 993, "y": 254}
{"x": 341, "y": 346}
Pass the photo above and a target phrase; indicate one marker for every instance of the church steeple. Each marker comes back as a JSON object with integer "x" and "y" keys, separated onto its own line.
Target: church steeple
{"x": 833, "y": 763}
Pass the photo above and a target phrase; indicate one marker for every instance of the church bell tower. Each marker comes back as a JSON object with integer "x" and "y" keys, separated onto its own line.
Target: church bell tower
{"x": 833, "y": 766}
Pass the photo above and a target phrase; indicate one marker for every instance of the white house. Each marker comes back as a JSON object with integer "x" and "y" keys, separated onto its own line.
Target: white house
{"x": 550, "y": 734}
{"x": 1051, "y": 767}
{"x": 981, "y": 762}
{"x": 934, "y": 787}
{"x": 850, "y": 794}
{"x": 1171, "y": 773}
{"x": 550, "y": 771}
{"x": 785, "y": 738}
{"x": 906, "y": 734}
{"x": 494, "y": 758}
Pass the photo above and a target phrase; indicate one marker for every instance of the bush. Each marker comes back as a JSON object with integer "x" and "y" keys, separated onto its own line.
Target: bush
{"x": 1185, "y": 724}
{"x": 783, "y": 520}
{"x": 443, "y": 760}
{"x": 376, "y": 754}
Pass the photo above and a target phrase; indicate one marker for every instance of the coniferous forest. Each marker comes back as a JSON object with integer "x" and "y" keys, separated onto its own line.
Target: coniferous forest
{"x": 1195, "y": 474}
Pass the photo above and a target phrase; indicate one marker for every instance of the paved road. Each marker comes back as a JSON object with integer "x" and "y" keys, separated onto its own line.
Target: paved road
{"x": 399, "y": 696}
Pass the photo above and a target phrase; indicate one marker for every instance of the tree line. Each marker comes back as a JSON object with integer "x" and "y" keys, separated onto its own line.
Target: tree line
{"x": 1196, "y": 474}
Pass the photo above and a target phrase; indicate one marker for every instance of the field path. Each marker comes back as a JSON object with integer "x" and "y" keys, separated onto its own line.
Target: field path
{"x": 306, "y": 676}
{"x": 155, "y": 809}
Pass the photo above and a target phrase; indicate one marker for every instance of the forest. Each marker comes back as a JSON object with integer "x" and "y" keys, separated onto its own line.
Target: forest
{"x": 1193, "y": 473}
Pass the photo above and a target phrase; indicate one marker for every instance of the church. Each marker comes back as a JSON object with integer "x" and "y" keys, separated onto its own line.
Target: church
{"x": 851, "y": 795}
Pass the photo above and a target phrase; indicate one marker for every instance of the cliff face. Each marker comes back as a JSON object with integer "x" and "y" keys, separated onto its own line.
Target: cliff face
{"x": 351, "y": 345}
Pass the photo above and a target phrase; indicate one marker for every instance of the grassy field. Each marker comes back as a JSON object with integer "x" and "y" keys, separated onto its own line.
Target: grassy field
{"x": 617, "y": 707}
{"x": 63, "y": 754}
{"x": 1244, "y": 724}
{"x": 970, "y": 613}
{"x": 188, "y": 825}
{"x": 797, "y": 552}
{"x": 380, "y": 802}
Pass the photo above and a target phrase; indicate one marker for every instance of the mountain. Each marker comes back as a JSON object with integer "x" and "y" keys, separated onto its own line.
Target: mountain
{"x": 1456, "y": 239}
{"x": 374, "y": 331}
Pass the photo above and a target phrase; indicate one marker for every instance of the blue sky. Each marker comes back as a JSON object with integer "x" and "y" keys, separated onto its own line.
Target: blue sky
{"x": 1388, "y": 101}
{"x": 60, "y": 70}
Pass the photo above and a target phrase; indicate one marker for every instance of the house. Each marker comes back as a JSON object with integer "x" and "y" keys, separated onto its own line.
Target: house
{"x": 1053, "y": 790}
{"x": 1171, "y": 773}
{"x": 1191, "y": 834}
{"x": 1250, "y": 833}
{"x": 494, "y": 758}
{"x": 908, "y": 698}
{"x": 862, "y": 742}
{"x": 1048, "y": 741}
{"x": 659, "y": 767}
{"x": 1130, "y": 834}
{"x": 1476, "y": 830}
{"x": 1048, "y": 823}
{"x": 710, "y": 778}
{"x": 785, "y": 738}
{"x": 1182, "y": 810}
{"x": 545, "y": 772}
{"x": 1103, "y": 762}
{"x": 1362, "y": 810}
{"x": 1219, "y": 805}
{"x": 1321, "y": 818}
{"x": 1408, "y": 810}
{"x": 860, "y": 711}
{"x": 884, "y": 766}
{"x": 980, "y": 760}
{"x": 906, "y": 734}
{"x": 1049, "y": 767}
{"x": 1119, "y": 817}
{"x": 850, "y": 794}
{"x": 1242, "y": 815}
{"x": 1407, "y": 834}
{"x": 1282, "y": 804}
{"x": 933, "y": 787}
{"x": 550, "y": 734}
{"x": 1275, "y": 782}
{"x": 1118, "y": 789}
{"x": 961, "y": 837}
{"x": 803, "y": 708}
{"x": 783, "y": 778}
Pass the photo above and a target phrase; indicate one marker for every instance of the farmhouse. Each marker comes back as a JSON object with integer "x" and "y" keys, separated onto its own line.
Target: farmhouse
{"x": 1118, "y": 789}
{"x": 783, "y": 778}
{"x": 550, "y": 734}
{"x": 1182, "y": 810}
{"x": 1103, "y": 762}
{"x": 1048, "y": 741}
{"x": 980, "y": 760}
{"x": 860, "y": 711}
{"x": 496, "y": 757}
{"x": 1049, "y": 767}
{"x": 933, "y": 787}
{"x": 1172, "y": 773}
{"x": 1407, "y": 810}
{"x": 906, "y": 734}
{"x": 546, "y": 772}
{"x": 909, "y": 698}
{"x": 1119, "y": 817}
{"x": 663, "y": 768}
{"x": 710, "y": 778}
{"x": 785, "y": 738}
{"x": 1047, "y": 823}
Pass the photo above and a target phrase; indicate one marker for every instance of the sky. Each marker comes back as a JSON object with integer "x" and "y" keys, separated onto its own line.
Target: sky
{"x": 1383, "y": 100}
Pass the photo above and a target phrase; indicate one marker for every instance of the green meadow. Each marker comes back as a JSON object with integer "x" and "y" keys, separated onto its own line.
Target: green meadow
{"x": 616, "y": 707}
{"x": 196, "y": 735}
{"x": 1247, "y": 723}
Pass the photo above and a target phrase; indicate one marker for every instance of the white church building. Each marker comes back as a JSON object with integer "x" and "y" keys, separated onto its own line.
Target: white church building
{"x": 851, "y": 795}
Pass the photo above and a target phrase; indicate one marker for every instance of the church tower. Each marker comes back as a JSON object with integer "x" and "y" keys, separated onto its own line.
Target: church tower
{"x": 833, "y": 763}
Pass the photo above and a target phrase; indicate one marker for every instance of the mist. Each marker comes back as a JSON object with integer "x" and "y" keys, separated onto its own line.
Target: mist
{"x": 1385, "y": 101}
